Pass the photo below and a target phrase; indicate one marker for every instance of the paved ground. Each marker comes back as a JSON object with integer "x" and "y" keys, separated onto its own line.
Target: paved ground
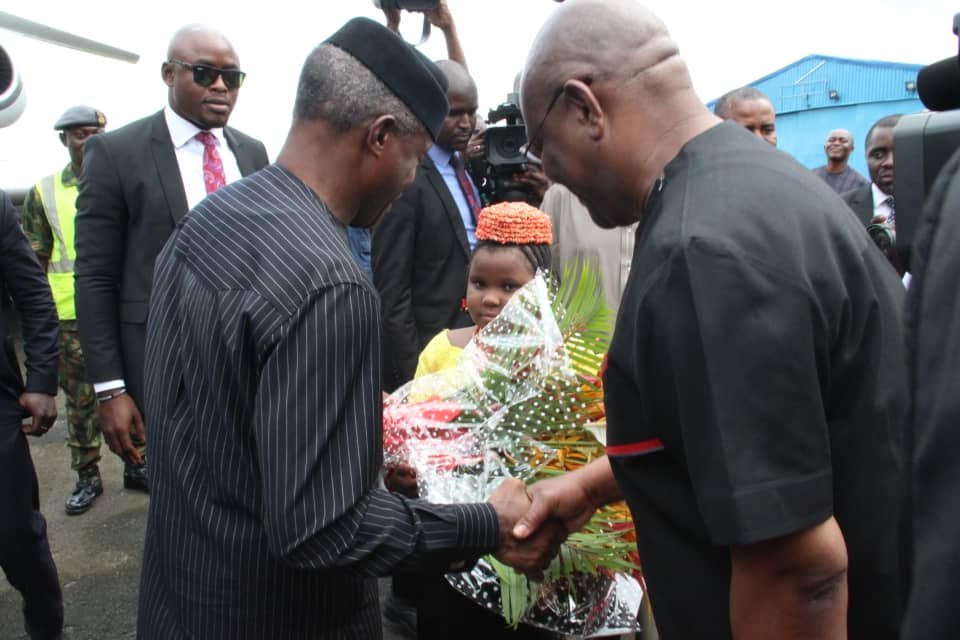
{"x": 98, "y": 554}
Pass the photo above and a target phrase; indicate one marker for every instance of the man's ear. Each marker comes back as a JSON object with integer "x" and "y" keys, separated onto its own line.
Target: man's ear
{"x": 63, "y": 138}
{"x": 167, "y": 71}
{"x": 581, "y": 97}
{"x": 379, "y": 133}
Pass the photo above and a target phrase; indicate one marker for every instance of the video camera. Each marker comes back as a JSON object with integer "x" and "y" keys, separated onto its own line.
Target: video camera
{"x": 411, "y": 5}
{"x": 504, "y": 157}
{"x": 923, "y": 142}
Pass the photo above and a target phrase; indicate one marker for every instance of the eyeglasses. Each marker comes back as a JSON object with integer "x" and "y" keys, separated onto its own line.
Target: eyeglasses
{"x": 538, "y": 132}
{"x": 205, "y": 75}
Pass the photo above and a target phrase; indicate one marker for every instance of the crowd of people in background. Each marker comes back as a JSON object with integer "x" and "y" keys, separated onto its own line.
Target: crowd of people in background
{"x": 756, "y": 398}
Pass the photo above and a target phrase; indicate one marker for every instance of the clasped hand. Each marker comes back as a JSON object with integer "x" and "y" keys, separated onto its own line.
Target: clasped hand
{"x": 535, "y": 520}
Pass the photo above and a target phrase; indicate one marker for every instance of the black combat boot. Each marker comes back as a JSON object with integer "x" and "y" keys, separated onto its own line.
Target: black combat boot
{"x": 135, "y": 477}
{"x": 89, "y": 486}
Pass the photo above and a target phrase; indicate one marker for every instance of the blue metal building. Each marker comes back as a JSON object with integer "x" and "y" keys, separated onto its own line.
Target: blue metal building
{"x": 819, "y": 93}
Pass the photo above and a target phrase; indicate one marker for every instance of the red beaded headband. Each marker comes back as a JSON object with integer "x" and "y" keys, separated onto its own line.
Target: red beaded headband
{"x": 514, "y": 223}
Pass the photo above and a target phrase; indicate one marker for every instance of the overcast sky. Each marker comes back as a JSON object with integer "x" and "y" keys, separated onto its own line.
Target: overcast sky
{"x": 726, "y": 45}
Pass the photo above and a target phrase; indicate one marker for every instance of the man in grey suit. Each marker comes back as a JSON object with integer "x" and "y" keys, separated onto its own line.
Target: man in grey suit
{"x": 138, "y": 182}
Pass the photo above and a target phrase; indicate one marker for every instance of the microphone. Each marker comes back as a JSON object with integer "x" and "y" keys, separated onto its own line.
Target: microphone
{"x": 938, "y": 85}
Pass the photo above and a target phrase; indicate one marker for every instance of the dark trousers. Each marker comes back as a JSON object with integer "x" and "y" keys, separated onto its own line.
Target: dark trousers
{"x": 24, "y": 551}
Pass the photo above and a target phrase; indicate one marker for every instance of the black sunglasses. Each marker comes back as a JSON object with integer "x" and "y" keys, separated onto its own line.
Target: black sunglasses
{"x": 205, "y": 75}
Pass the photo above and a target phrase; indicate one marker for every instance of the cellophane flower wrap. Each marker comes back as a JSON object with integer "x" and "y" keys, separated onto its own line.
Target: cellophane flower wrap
{"x": 525, "y": 401}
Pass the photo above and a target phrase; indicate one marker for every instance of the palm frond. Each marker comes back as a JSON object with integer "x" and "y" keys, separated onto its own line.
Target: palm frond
{"x": 584, "y": 318}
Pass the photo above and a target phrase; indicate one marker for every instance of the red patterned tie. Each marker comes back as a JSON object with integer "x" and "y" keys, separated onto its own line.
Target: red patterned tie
{"x": 465, "y": 185}
{"x": 213, "y": 175}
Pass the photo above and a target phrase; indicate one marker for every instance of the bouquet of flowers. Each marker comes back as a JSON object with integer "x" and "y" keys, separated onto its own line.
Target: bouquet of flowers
{"x": 525, "y": 401}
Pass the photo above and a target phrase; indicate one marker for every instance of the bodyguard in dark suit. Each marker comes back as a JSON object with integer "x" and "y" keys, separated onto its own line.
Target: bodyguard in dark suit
{"x": 24, "y": 552}
{"x": 422, "y": 249}
{"x": 138, "y": 182}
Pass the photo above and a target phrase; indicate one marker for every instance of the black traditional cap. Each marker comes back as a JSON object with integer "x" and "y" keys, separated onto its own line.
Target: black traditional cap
{"x": 408, "y": 73}
{"x": 80, "y": 117}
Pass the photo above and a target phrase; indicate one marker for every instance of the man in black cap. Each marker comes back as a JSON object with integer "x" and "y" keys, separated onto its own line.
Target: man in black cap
{"x": 138, "y": 181}
{"x": 48, "y": 221}
{"x": 263, "y": 379}
{"x": 421, "y": 252}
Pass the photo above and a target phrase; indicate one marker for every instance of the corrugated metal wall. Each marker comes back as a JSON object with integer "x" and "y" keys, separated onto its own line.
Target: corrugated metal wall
{"x": 809, "y": 83}
{"x": 818, "y": 93}
{"x": 802, "y": 133}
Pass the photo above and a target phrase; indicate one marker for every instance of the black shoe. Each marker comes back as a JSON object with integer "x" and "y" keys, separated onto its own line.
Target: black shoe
{"x": 135, "y": 477}
{"x": 89, "y": 486}
{"x": 37, "y": 634}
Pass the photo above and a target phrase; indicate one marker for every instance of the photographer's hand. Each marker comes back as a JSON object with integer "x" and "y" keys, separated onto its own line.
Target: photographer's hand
{"x": 393, "y": 19}
{"x": 442, "y": 19}
{"x": 535, "y": 179}
{"x": 477, "y": 147}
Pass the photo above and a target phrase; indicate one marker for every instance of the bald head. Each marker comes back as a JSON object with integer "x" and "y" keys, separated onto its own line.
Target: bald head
{"x": 458, "y": 78}
{"x": 202, "y": 98}
{"x": 188, "y": 38}
{"x": 608, "y": 102}
{"x": 602, "y": 39}
{"x": 838, "y": 147}
{"x": 461, "y": 120}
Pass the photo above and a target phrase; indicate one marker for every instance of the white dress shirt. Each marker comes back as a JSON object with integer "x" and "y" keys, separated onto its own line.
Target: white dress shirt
{"x": 189, "y": 153}
{"x": 880, "y": 205}
{"x": 442, "y": 159}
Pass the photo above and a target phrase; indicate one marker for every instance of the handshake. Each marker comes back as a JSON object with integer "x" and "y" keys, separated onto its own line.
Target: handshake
{"x": 536, "y": 519}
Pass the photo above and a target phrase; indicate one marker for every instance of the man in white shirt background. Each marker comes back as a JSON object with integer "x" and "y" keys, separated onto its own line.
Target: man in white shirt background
{"x": 138, "y": 181}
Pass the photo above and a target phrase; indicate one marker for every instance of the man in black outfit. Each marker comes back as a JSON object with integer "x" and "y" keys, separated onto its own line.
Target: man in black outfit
{"x": 24, "y": 551}
{"x": 933, "y": 322}
{"x": 756, "y": 386}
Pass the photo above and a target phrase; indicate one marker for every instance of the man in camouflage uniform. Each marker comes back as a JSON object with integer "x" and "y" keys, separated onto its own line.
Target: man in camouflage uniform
{"x": 48, "y": 214}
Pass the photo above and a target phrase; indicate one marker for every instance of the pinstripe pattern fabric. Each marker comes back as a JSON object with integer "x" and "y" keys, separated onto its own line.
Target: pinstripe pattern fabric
{"x": 263, "y": 400}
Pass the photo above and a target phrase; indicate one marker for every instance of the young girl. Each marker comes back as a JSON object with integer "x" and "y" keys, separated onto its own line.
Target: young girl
{"x": 513, "y": 241}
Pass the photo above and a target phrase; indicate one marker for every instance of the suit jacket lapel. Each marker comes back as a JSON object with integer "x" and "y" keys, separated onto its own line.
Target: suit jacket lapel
{"x": 449, "y": 206}
{"x": 866, "y": 204}
{"x": 168, "y": 171}
{"x": 245, "y": 161}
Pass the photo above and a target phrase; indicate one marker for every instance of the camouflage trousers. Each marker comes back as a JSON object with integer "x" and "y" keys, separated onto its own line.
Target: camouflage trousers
{"x": 83, "y": 425}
